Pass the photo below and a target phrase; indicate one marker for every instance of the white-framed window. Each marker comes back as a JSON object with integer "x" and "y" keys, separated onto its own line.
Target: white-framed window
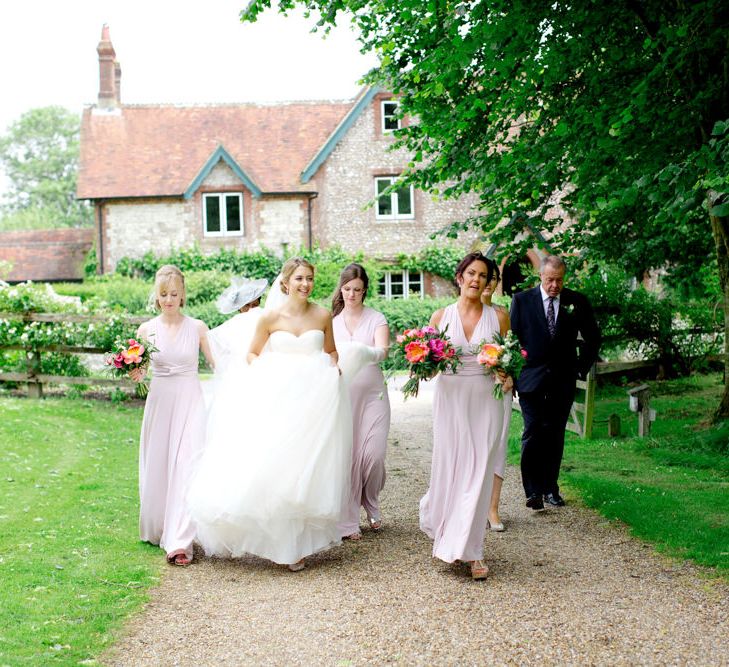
{"x": 223, "y": 214}
{"x": 390, "y": 118}
{"x": 401, "y": 285}
{"x": 394, "y": 206}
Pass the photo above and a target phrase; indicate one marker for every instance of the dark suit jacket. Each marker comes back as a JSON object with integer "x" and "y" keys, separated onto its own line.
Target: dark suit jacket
{"x": 561, "y": 358}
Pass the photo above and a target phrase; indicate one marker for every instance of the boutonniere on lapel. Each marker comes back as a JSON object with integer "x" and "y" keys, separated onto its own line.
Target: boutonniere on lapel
{"x": 568, "y": 308}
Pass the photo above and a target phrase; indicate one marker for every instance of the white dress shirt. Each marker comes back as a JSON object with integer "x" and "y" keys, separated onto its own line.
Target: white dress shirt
{"x": 545, "y": 303}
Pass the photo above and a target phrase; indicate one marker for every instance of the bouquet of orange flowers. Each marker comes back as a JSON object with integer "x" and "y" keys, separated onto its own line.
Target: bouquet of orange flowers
{"x": 426, "y": 352}
{"x": 505, "y": 356}
{"x": 128, "y": 355}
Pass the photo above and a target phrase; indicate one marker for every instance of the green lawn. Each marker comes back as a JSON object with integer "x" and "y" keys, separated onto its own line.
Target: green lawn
{"x": 72, "y": 568}
{"x": 71, "y": 565}
{"x": 671, "y": 488}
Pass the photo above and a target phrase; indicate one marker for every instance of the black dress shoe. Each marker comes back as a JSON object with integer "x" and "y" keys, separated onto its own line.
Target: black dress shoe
{"x": 554, "y": 499}
{"x": 535, "y": 502}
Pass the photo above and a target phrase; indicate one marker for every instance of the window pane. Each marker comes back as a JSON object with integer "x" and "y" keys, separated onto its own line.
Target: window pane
{"x": 212, "y": 214}
{"x": 382, "y": 286}
{"x": 232, "y": 210}
{"x": 404, "y": 202}
{"x": 415, "y": 286}
{"x": 384, "y": 202}
{"x": 397, "y": 285}
{"x": 390, "y": 121}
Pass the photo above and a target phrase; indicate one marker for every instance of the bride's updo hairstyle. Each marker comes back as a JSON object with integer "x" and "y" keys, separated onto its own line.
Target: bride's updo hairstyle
{"x": 287, "y": 270}
{"x": 165, "y": 277}
{"x": 469, "y": 259}
{"x": 350, "y": 272}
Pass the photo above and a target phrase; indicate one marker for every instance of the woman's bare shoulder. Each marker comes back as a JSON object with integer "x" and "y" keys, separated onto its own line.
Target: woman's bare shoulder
{"x": 436, "y": 317}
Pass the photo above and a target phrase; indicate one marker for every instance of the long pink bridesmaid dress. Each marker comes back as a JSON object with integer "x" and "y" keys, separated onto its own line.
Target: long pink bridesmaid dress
{"x": 173, "y": 434}
{"x": 371, "y": 421}
{"x": 467, "y": 428}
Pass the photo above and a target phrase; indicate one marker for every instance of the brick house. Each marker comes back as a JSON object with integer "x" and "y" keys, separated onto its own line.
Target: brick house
{"x": 250, "y": 175}
{"x": 44, "y": 255}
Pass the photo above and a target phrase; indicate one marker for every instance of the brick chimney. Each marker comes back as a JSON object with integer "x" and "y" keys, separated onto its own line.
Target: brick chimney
{"x": 109, "y": 72}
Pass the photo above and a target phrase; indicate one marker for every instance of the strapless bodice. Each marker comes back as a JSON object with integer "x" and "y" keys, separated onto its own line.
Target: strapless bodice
{"x": 309, "y": 342}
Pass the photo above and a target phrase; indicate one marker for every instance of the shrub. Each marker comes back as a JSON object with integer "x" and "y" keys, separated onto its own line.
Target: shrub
{"x": 676, "y": 331}
{"x": 111, "y": 292}
{"x": 256, "y": 264}
{"x": 204, "y": 286}
{"x": 208, "y": 313}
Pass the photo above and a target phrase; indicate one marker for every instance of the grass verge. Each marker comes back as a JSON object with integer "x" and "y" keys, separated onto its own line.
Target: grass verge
{"x": 70, "y": 561}
{"x": 671, "y": 488}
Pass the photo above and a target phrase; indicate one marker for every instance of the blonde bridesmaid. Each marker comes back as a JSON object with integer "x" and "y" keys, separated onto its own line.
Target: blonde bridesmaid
{"x": 173, "y": 428}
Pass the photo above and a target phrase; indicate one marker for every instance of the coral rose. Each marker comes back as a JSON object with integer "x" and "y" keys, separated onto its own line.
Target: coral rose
{"x": 133, "y": 354}
{"x": 416, "y": 351}
{"x": 490, "y": 354}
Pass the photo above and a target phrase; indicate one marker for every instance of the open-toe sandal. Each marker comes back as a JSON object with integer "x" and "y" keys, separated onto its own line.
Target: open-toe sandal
{"x": 479, "y": 569}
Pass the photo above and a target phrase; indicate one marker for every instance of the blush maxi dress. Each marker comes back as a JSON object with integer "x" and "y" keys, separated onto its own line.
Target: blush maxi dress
{"x": 371, "y": 423}
{"x": 467, "y": 429}
{"x": 172, "y": 438}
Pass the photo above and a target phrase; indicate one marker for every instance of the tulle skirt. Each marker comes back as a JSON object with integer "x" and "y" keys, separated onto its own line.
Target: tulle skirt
{"x": 275, "y": 472}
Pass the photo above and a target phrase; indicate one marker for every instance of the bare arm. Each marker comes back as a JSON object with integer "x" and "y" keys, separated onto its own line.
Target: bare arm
{"x": 504, "y": 322}
{"x": 507, "y": 382}
{"x": 330, "y": 346}
{"x": 205, "y": 344}
{"x": 138, "y": 374}
{"x": 260, "y": 337}
{"x": 435, "y": 318}
{"x": 382, "y": 337}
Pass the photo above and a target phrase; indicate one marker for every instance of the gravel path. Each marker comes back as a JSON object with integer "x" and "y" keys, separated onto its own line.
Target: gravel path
{"x": 565, "y": 587}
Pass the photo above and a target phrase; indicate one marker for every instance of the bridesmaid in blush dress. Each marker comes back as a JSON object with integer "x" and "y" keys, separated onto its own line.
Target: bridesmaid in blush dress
{"x": 355, "y": 323}
{"x": 494, "y": 523}
{"x": 467, "y": 423}
{"x": 173, "y": 428}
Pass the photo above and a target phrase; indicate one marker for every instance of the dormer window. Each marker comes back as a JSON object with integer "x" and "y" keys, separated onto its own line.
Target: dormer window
{"x": 223, "y": 214}
{"x": 390, "y": 117}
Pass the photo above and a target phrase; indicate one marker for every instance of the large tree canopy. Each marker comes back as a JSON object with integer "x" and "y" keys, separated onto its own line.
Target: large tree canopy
{"x": 39, "y": 154}
{"x": 619, "y": 111}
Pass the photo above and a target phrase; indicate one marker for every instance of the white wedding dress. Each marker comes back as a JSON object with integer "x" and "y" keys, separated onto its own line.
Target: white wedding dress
{"x": 275, "y": 471}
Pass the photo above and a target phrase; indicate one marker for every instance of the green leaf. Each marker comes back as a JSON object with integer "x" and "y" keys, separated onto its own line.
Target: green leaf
{"x": 720, "y": 210}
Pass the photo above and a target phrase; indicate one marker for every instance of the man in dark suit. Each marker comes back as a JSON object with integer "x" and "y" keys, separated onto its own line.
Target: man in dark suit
{"x": 547, "y": 320}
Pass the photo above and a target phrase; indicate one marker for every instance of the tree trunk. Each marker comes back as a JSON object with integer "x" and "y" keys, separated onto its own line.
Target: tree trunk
{"x": 720, "y": 229}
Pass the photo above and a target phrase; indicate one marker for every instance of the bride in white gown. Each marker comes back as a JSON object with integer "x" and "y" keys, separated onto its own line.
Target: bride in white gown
{"x": 275, "y": 471}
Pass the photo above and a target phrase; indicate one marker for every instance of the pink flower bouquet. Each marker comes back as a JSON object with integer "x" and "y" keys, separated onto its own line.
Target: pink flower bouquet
{"x": 425, "y": 352}
{"x": 128, "y": 355}
{"x": 505, "y": 356}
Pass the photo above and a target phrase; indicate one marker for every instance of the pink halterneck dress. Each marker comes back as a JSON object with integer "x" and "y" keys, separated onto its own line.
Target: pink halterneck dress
{"x": 173, "y": 434}
{"x": 467, "y": 423}
{"x": 371, "y": 422}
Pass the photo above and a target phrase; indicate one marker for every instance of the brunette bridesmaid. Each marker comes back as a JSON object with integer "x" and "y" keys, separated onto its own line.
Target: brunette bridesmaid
{"x": 355, "y": 323}
{"x": 467, "y": 423}
{"x": 173, "y": 428}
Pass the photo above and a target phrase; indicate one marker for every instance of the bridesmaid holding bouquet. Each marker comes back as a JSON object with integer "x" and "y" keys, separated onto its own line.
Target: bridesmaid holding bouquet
{"x": 467, "y": 423}
{"x": 173, "y": 428}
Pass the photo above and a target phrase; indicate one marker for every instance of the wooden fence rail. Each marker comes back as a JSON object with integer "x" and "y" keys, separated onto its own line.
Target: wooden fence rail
{"x": 34, "y": 378}
{"x": 582, "y": 412}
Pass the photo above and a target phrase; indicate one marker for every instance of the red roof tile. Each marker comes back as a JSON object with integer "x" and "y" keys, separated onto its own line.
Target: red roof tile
{"x": 47, "y": 254}
{"x": 158, "y": 150}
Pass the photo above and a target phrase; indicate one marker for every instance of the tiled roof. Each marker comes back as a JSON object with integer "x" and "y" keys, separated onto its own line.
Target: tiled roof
{"x": 46, "y": 254}
{"x": 158, "y": 150}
